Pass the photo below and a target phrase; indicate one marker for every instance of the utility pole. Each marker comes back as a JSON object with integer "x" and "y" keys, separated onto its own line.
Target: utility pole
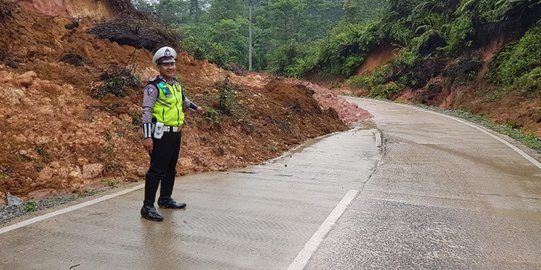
{"x": 250, "y": 37}
{"x": 195, "y": 11}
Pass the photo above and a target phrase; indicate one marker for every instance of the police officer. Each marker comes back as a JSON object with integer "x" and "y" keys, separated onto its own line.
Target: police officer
{"x": 163, "y": 117}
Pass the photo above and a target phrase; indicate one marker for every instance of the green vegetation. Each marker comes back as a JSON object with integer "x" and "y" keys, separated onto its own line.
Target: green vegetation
{"x": 212, "y": 117}
{"x": 110, "y": 183}
{"x": 30, "y": 206}
{"x": 116, "y": 81}
{"x": 464, "y": 70}
{"x": 518, "y": 65}
{"x": 332, "y": 38}
{"x": 273, "y": 147}
{"x": 285, "y": 32}
{"x": 227, "y": 105}
{"x": 343, "y": 51}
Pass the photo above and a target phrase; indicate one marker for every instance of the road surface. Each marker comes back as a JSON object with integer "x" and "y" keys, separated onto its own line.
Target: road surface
{"x": 422, "y": 191}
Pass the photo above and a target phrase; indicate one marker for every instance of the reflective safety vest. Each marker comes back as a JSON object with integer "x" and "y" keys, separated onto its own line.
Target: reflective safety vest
{"x": 168, "y": 106}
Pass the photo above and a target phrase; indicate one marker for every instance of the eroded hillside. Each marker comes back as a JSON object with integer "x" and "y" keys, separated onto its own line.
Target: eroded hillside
{"x": 63, "y": 128}
{"x": 452, "y": 86}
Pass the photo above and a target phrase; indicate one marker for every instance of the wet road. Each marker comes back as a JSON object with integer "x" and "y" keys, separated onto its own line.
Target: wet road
{"x": 255, "y": 218}
{"x": 439, "y": 194}
{"x": 445, "y": 196}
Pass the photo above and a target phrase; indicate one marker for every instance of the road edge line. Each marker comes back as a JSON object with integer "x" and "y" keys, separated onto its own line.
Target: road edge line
{"x": 312, "y": 245}
{"x": 483, "y": 130}
{"x": 66, "y": 210}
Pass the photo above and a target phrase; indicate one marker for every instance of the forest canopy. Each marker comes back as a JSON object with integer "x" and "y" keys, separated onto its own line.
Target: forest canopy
{"x": 285, "y": 32}
{"x": 333, "y": 38}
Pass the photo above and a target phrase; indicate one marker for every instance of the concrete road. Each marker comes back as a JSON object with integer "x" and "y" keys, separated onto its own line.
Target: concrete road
{"x": 437, "y": 194}
{"x": 446, "y": 195}
{"x": 255, "y": 218}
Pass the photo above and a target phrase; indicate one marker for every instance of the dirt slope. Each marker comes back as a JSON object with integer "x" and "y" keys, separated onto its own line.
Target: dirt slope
{"x": 55, "y": 138}
{"x": 69, "y": 8}
{"x": 379, "y": 57}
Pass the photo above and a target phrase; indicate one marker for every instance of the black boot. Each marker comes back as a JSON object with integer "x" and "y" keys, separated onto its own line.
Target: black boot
{"x": 150, "y": 213}
{"x": 166, "y": 189}
{"x": 152, "y": 182}
{"x": 165, "y": 202}
{"x": 151, "y": 186}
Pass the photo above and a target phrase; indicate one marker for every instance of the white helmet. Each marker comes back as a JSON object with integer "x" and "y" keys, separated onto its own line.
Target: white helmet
{"x": 164, "y": 55}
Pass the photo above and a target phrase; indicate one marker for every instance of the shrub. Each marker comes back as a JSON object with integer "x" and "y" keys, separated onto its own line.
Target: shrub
{"x": 116, "y": 81}
{"x": 212, "y": 117}
{"x": 226, "y": 97}
{"x": 345, "y": 48}
{"x": 385, "y": 91}
{"x": 529, "y": 84}
{"x": 30, "y": 206}
{"x": 517, "y": 59}
{"x": 458, "y": 33}
{"x": 464, "y": 70}
{"x": 281, "y": 60}
{"x": 227, "y": 102}
{"x": 380, "y": 76}
{"x": 366, "y": 82}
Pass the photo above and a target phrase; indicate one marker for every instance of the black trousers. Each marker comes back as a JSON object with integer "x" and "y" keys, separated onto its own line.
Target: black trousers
{"x": 163, "y": 161}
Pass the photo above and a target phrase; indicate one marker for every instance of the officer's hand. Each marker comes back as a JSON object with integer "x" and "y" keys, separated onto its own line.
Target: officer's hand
{"x": 200, "y": 110}
{"x": 147, "y": 143}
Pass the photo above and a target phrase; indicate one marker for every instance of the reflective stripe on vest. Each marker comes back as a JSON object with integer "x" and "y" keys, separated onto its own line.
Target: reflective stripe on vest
{"x": 168, "y": 106}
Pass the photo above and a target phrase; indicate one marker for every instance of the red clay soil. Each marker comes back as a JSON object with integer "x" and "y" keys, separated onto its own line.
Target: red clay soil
{"x": 379, "y": 57}
{"x": 56, "y": 139}
{"x": 488, "y": 54}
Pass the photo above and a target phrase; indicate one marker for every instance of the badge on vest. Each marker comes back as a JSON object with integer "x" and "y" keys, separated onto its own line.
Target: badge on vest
{"x": 165, "y": 90}
{"x": 159, "y": 130}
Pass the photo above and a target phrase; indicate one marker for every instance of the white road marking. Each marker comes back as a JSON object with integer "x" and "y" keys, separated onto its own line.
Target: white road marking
{"x": 311, "y": 246}
{"x": 68, "y": 209}
{"x": 482, "y": 129}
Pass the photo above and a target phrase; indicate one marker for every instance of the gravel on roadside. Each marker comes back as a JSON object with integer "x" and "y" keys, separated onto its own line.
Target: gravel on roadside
{"x": 9, "y": 212}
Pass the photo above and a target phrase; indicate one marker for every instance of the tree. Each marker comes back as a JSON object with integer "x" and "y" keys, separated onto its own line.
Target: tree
{"x": 172, "y": 11}
{"x": 356, "y": 11}
{"x": 143, "y": 6}
{"x": 195, "y": 10}
{"x": 226, "y": 9}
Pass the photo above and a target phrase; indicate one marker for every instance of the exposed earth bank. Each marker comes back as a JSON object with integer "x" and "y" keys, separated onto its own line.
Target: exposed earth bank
{"x": 447, "y": 90}
{"x": 65, "y": 126}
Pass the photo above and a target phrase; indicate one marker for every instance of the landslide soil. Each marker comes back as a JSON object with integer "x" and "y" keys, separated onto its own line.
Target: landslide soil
{"x": 56, "y": 139}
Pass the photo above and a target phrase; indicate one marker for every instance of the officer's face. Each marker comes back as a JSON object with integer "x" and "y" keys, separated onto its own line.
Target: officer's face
{"x": 167, "y": 70}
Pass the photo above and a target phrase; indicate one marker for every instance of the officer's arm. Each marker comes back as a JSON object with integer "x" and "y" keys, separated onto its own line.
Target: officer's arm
{"x": 150, "y": 94}
{"x": 187, "y": 103}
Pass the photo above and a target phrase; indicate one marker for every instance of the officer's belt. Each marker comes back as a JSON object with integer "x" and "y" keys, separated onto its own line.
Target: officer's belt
{"x": 171, "y": 129}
